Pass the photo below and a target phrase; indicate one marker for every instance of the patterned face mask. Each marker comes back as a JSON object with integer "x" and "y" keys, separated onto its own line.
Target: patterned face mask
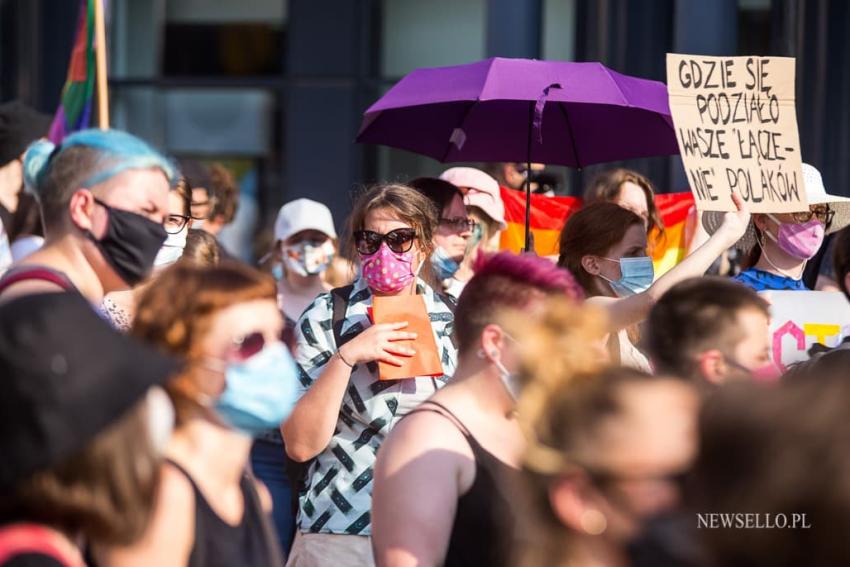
{"x": 386, "y": 271}
{"x": 307, "y": 259}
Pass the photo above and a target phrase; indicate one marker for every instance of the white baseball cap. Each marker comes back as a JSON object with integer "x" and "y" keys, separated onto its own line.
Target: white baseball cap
{"x": 303, "y": 214}
{"x": 480, "y": 190}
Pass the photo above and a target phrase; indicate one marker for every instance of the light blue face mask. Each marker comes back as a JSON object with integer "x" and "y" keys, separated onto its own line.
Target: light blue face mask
{"x": 444, "y": 267}
{"x": 261, "y": 391}
{"x": 636, "y": 275}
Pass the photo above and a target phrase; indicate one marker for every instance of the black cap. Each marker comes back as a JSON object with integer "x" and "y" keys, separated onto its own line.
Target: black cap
{"x": 20, "y": 125}
{"x": 66, "y": 375}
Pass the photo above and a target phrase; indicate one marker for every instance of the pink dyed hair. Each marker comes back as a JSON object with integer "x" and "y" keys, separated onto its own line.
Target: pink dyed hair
{"x": 507, "y": 280}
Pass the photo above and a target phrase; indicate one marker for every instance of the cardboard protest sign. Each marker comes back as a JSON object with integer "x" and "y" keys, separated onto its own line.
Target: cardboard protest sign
{"x": 410, "y": 308}
{"x": 736, "y": 125}
{"x": 800, "y": 319}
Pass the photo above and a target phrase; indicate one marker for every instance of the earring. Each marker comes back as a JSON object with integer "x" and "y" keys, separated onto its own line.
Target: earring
{"x": 593, "y": 522}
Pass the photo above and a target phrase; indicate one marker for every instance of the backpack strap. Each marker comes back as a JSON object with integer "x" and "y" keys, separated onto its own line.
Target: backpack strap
{"x": 24, "y": 538}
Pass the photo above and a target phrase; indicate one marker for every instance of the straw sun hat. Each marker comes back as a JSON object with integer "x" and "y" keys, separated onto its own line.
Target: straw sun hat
{"x": 816, "y": 194}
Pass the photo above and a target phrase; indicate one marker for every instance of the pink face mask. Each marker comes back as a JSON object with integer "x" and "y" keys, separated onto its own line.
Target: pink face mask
{"x": 767, "y": 373}
{"x": 801, "y": 241}
{"x": 387, "y": 271}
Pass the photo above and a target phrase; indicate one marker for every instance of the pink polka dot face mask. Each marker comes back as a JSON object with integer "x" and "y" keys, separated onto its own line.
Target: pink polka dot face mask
{"x": 387, "y": 271}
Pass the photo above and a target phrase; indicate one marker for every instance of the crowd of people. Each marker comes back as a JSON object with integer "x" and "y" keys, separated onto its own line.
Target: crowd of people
{"x": 169, "y": 405}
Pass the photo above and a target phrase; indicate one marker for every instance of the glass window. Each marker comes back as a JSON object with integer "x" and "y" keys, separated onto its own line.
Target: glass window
{"x": 430, "y": 34}
{"x": 224, "y": 38}
{"x": 559, "y": 29}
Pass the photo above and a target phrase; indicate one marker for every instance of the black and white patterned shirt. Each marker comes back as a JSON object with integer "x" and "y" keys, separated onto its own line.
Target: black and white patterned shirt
{"x": 338, "y": 498}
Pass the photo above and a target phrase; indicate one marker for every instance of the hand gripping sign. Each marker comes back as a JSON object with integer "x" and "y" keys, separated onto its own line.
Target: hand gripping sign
{"x": 799, "y": 319}
{"x": 736, "y": 125}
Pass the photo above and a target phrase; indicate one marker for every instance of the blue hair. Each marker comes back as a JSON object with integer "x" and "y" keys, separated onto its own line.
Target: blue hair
{"x": 119, "y": 151}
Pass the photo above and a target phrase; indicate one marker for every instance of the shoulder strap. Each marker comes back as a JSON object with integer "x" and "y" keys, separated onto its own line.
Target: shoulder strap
{"x": 43, "y": 274}
{"x": 339, "y": 302}
{"x": 20, "y": 539}
{"x": 445, "y": 412}
{"x": 270, "y": 539}
{"x": 197, "y": 556}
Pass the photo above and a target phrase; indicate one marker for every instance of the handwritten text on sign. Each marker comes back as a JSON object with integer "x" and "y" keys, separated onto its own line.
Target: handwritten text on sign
{"x": 736, "y": 125}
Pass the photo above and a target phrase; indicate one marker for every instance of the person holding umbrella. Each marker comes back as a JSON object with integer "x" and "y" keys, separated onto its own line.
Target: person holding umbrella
{"x": 604, "y": 246}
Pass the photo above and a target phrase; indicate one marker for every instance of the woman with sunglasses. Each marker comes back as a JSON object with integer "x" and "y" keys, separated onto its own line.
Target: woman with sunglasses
{"x": 120, "y": 306}
{"x": 238, "y": 381}
{"x": 345, "y": 411}
{"x": 453, "y": 229}
{"x": 780, "y": 244}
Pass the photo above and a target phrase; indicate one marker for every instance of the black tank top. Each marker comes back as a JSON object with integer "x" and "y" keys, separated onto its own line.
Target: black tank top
{"x": 484, "y": 522}
{"x": 217, "y": 543}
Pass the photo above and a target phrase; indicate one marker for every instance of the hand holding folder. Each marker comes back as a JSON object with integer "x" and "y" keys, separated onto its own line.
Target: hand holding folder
{"x": 410, "y": 308}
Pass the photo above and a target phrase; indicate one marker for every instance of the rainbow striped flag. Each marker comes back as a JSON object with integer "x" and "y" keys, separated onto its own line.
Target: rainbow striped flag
{"x": 548, "y": 215}
{"x": 75, "y": 106}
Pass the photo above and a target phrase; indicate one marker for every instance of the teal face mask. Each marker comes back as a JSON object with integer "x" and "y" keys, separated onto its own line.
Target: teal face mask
{"x": 260, "y": 391}
{"x": 636, "y": 275}
{"x": 444, "y": 267}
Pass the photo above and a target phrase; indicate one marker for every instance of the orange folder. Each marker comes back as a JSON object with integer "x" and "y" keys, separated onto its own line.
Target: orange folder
{"x": 410, "y": 308}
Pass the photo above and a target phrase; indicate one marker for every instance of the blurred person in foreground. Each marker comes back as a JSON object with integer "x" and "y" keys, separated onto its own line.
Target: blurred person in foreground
{"x": 602, "y": 467}
{"x": 345, "y": 411}
{"x": 485, "y": 207}
{"x": 84, "y": 425}
{"x": 104, "y": 201}
{"x": 464, "y": 443}
{"x": 776, "y": 457}
{"x": 239, "y": 380}
{"x": 711, "y": 331}
{"x": 453, "y": 227}
{"x": 604, "y": 246}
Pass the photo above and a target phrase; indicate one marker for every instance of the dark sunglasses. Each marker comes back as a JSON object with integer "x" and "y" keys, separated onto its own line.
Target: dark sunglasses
{"x": 246, "y": 346}
{"x": 399, "y": 240}
{"x": 459, "y": 224}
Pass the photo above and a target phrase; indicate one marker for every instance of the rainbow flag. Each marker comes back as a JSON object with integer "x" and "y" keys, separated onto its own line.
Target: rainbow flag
{"x": 74, "y": 112}
{"x": 548, "y": 215}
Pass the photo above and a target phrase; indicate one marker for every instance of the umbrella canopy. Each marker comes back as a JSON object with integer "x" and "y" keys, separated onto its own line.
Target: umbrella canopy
{"x": 521, "y": 110}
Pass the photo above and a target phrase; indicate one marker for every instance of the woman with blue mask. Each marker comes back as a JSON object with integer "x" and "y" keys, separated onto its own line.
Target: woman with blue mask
{"x": 453, "y": 229}
{"x": 604, "y": 246}
{"x": 104, "y": 200}
{"x": 238, "y": 381}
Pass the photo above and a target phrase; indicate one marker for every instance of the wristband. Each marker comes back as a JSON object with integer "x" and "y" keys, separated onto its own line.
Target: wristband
{"x": 345, "y": 362}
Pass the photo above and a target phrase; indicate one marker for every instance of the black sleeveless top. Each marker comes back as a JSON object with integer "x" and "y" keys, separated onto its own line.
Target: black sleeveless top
{"x": 217, "y": 543}
{"x": 483, "y": 527}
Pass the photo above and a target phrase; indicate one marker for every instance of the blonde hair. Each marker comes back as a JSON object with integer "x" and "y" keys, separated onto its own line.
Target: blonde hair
{"x": 560, "y": 351}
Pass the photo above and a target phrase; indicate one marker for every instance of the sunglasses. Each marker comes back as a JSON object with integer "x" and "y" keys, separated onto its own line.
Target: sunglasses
{"x": 824, "y": 214}
{"x": 459, "y": 224}
{"x": 246, "y": 346}
{"x": 399, "y": 240}
{"x": 175, "y": 223}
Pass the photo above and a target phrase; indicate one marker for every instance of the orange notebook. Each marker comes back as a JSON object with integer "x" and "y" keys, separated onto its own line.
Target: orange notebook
{"x": 410, "y": 308}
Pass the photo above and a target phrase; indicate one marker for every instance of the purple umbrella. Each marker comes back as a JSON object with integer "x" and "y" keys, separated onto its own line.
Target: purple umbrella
{"x": 522, "y": 110}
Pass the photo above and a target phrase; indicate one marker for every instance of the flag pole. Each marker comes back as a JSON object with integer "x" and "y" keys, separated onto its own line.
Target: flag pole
{"x": 100, "y": 57}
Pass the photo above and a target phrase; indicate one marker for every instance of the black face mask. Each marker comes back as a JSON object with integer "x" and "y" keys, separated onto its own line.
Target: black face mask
{"x": 130, "y": 244}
